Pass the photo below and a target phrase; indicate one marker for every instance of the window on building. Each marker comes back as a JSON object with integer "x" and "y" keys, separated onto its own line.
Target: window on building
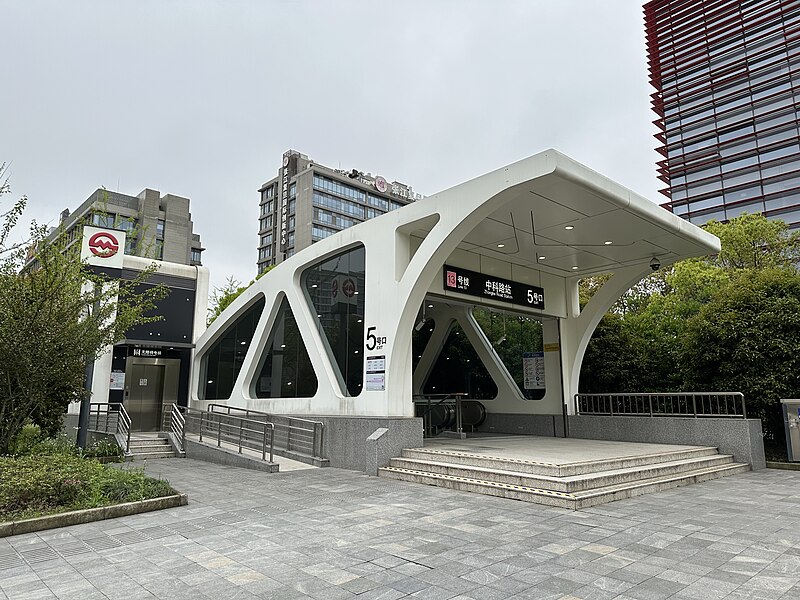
{"x": 265, "y": 222}
{"x": 335, "y": 289}
{"x": 158, "y": 250}
{"x": 160, "y": 229}
{"x": 220, "y": 366}
{"x": 285, "y": 370}
{"x": 105, "y": 220}
{"x": 196, "y": 256}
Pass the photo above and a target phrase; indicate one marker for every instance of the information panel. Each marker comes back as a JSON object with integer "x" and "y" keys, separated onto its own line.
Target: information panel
{"x": 463, "y": 281}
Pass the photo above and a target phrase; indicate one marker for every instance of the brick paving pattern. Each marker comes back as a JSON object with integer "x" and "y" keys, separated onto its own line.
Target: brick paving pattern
{"x": 330, "y": 534}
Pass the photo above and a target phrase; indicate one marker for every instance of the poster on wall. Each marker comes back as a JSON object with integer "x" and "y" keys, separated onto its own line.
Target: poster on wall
{"x": 376, "y": 373}
{"x": 117, "y": 381}
{"x": 533, "y": 370}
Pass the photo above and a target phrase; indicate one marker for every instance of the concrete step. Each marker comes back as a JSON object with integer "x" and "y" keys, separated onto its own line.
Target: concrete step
{"x": 570, "y": 500}
{"x": 152, "y": 454}
{"x": 574, "y": 483}
{"x": 554, "y": 470}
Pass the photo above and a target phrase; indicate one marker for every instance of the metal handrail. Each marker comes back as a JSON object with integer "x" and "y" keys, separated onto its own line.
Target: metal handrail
{"x": 245, "y": 432}
{"x": 457, "y": 395}
{"x": 296, "y": 434}
{"x": 177, "y": 426}
{"x": 122, "y": 424}
{"x": 663, "y": 404}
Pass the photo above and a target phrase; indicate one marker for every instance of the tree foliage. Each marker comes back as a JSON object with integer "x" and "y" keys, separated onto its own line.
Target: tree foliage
{"x": 55, "y": 319}
{"x": 222, "y": 297}
{"x": 729, "y": 322}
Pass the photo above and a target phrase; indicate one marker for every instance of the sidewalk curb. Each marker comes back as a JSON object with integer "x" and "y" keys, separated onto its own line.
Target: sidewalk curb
{"x": 91, "y": 514}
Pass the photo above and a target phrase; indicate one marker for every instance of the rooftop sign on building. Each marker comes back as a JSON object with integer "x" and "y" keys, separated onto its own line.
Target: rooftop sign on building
{"x": 103, "y": 247}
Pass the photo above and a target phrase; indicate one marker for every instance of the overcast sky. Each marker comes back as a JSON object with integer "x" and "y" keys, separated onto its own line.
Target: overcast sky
{"x": 201, "y": 98}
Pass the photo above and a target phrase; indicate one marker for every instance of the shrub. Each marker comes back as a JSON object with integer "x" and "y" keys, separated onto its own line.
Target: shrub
{"x": 26, "y": 439}
{"x": 103, "y": 449}
{"x": 39, "y": 484}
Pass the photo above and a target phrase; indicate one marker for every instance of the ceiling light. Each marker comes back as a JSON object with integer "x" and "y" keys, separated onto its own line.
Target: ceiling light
{"x": 430, "y": 305}
{"x": 542, "y": 257}
{"x": 575, "y": 268}
{"x": 243, "y": 343}
{"x": 501, "y": 245}
{"x": 569, "y": 227}
{"x": 608, "y": 242}
{"x": 283, "y": 345}
{"x": 313, "y": 285}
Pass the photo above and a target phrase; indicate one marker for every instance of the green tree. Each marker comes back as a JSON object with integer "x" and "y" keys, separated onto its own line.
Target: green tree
{"x": 754, "y": 242}
{"x": 54, "y": 319}
{"x": 747, "y": 338}
{"x": 222, "y": 297}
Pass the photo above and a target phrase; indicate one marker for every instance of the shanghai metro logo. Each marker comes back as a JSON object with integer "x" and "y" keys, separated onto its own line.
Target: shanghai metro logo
{"x": 103, "y": 244}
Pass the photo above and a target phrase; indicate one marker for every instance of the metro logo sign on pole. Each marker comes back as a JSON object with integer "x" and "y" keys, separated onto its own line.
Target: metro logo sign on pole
{"x": 103, "y": 247}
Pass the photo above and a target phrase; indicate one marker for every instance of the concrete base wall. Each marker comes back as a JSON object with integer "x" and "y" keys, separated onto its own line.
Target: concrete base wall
{"x": 345, "y": 439}
{"x": 523, "y": 424}
{"x": 740, "y": 437}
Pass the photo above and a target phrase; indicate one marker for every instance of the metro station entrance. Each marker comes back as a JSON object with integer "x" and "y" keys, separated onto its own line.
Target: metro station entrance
{"x": 474, "y": 363}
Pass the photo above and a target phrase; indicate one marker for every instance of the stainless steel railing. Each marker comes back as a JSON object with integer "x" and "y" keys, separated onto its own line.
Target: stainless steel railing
{"x": 111, "y": 418}
{"x": 668, "y": 404}
{"x": 177, "y": 426}
{"x": 238, "y": 431}
{"x": 293, "y": 434}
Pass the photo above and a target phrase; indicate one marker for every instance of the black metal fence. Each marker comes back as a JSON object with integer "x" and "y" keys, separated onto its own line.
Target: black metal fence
{"x": 678, "y": 404}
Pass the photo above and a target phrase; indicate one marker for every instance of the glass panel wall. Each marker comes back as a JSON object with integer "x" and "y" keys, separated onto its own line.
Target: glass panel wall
{"x": 517, "y": 341}
{"x": 285, "y": 369}
{"x": 458, "y": 370}
{"x": 222, "y": 363}
{"x": 335, "y": 289}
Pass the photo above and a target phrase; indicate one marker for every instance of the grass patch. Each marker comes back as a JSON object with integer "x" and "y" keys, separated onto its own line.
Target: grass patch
{"x": 46, "y": 477}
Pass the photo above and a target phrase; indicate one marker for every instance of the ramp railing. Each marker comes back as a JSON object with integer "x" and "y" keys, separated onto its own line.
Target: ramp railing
{"x": 668, "y": 404}
{"x": 235, "y": 430}
{"x": 292, "y": 434}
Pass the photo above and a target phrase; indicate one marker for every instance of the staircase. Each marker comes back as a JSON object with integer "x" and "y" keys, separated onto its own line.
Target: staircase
{"x": 571, "y": 485}
{"x": 142, "y": 448}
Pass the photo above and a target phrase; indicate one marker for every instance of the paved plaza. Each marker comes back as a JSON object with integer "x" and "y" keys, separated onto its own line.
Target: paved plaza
{"x": 328, "y": 534}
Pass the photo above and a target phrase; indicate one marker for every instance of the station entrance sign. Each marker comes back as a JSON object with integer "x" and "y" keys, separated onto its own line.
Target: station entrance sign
{"x": 480, "y": 285}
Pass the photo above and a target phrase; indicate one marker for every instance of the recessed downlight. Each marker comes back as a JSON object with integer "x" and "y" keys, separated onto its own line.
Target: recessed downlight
{"x": 575, "y": 268}
{"x": 501, "y": 245}
{"x": 542, "y": 257}
{"x": 569, "y": 227}
{"x": 608, "y": 242}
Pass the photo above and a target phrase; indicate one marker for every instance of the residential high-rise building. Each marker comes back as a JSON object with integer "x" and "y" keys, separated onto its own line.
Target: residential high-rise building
{"x": 727, "y": 79}
{"x": 307, "y": 202}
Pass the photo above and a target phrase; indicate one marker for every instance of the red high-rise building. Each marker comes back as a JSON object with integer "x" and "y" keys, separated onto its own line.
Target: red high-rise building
{"x": 727, "y": 79}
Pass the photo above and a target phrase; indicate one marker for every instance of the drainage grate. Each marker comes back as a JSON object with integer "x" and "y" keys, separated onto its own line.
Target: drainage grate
{"x": 157, "y": 532}
{"x": 40, "y": 554}
{"x": 227, "y": 518}
{"x": 131, "y": 537}
{"x": 72, "y": 549}
{"x": 9, "y": 560}
{"x": 102, "y": 543}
